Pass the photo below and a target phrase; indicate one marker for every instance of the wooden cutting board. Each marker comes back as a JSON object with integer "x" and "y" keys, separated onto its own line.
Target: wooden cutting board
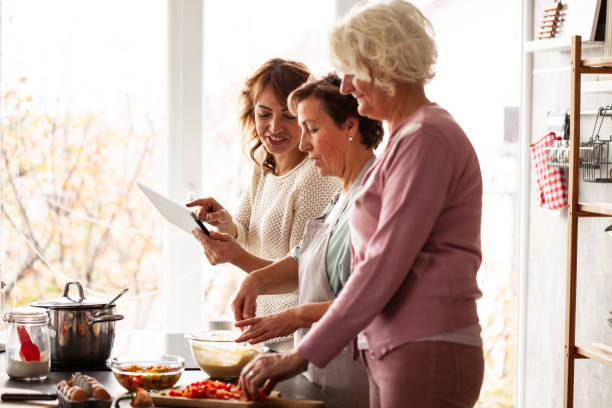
{"x": 273, "y": 401}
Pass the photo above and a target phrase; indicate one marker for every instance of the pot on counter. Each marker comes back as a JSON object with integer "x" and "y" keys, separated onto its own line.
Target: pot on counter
{"x": 83, "y": 329}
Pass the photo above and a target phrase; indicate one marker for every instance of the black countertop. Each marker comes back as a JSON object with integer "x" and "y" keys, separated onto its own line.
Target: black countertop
{"x": 144, "y": 342}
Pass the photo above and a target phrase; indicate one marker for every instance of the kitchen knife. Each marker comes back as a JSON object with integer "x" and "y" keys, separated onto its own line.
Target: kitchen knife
{"x": 27, "y": 396}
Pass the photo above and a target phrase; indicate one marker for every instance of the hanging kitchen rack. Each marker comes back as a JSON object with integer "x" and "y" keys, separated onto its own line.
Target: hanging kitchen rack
{"x": 595, "y": 153}
{"x": 595, "y": 158}
{"x": 595, "y": 161}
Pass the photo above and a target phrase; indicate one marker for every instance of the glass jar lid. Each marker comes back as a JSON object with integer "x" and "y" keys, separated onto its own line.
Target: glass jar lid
{"x": 26, "y": 314}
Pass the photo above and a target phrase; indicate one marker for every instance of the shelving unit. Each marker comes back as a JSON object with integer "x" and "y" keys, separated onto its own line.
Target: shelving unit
{"x": 595, "y": 353}
{"x": 558, "y": 44}
{"x": 576, "y": 210}
{"x": 594, "y": 210}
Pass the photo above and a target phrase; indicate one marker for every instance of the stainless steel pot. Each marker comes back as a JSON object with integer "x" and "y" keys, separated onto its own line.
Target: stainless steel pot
{"x": 83, "y": 329}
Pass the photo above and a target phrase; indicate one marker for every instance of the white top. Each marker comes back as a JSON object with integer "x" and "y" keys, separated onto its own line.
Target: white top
{"x": 469, "y": 336}
{"x": 271, "y": 219}
{"x": 337, "y": 209}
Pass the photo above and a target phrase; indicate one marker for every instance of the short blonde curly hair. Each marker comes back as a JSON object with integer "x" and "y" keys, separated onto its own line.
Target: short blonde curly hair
{"x": 385, "y": 42}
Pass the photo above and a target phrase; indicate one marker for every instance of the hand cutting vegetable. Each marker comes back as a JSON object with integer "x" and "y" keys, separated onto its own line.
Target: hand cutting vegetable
{"x": 268, "y": 369}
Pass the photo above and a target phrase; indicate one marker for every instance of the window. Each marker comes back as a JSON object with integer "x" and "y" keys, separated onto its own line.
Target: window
{"x": 478, "y": 81}
{"x": 235, "y": 45}
{"x": 82, "y": 112}
{"x": 83, "y": 117}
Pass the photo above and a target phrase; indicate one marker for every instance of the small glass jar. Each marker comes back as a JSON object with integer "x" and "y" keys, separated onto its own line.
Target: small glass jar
{"x": 28, "y": 344}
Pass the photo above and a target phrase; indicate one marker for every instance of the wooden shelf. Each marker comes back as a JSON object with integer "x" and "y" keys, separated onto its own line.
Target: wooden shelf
{"x": 597, "y": 86}
{"x": 557, "y": 44}
{"x": 594, "y": 210}
{"x": 598, "y": 352}
{"x": 597, "y": 62}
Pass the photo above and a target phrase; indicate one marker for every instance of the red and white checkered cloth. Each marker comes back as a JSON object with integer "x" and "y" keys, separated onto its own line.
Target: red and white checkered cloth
{"x": 551, "y": 180}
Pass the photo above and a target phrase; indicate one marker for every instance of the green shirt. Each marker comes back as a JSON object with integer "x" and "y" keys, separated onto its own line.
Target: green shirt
{"x": 338, "y": 259}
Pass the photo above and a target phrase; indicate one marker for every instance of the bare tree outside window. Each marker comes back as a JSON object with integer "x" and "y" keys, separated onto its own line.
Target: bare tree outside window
{"x": 74, "y": 141}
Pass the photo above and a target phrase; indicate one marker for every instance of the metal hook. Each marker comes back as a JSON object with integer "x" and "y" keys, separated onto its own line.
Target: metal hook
{"x": 599, "y": 111}
{"x": 601, "y": 114}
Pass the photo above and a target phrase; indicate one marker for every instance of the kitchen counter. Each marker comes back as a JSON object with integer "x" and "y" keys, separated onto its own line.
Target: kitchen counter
{"x": 141, "y": 342}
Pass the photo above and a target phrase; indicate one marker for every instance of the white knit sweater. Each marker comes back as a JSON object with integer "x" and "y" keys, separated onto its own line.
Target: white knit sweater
{"x": 271, "y": 219}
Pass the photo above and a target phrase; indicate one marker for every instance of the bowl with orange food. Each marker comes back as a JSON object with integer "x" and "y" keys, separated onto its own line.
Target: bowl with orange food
{"x": 151, "y": 372}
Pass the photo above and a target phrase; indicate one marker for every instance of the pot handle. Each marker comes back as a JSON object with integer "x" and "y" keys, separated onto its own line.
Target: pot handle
{"x": 104, "y": 318}
{"x": 50, "y": 324}
{"x": 81, "y": 293}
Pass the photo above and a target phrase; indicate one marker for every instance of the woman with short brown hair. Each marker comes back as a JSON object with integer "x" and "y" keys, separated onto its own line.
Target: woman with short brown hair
{"x": 340, "y": 142}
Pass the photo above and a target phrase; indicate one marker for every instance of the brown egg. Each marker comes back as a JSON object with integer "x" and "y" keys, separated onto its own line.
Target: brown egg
{"x": 100, "y": 393}
{"x": 77, "y": 394}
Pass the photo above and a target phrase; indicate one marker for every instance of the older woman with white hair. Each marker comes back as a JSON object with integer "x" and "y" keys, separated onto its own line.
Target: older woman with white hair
{"x": 414, "y": 230}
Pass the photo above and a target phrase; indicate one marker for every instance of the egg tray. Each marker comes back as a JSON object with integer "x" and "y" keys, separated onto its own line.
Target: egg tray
{"x": 64, "y": 402}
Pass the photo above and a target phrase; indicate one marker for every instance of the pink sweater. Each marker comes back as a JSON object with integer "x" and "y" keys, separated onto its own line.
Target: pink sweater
{"x": 415, "y": 235}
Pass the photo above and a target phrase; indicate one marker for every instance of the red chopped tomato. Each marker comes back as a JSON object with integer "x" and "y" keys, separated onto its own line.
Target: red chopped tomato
{"x": 224, "y": 394}
{"x": 210, "y": 389}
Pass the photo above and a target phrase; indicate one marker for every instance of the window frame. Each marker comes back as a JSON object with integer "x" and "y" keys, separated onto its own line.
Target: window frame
{"x": 183, "y": 257}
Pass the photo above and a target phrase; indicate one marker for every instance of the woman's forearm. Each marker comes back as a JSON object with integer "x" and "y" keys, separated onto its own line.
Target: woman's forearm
{"x": 278, "y": 277}
{"x": 249, "y": 262}
{"x": 311, "y": 313}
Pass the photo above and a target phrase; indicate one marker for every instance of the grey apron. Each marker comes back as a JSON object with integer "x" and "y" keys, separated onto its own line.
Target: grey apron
{"x": 344, "y": 380}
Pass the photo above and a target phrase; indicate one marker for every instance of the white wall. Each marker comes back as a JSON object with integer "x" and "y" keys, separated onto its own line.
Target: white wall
{"x": 547, "y": 259}
{"x": 343, "y": 6}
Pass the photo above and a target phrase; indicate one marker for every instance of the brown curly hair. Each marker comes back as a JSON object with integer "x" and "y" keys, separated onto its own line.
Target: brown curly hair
{"x": 283, "y": 77}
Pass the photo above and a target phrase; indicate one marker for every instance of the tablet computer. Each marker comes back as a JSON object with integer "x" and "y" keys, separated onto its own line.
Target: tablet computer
{"x": 174, "y": 213}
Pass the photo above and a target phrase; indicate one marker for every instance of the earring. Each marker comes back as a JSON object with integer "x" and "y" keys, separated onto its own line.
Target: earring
{"x": 350, "y": 138}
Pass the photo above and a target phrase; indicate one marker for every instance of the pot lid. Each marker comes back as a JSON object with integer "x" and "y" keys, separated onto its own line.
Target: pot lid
{"x": 71, "y": 302}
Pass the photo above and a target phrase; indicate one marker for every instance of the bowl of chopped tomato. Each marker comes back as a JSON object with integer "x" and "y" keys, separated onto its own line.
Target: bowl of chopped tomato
{"x": 153, "y": 373}
{"x": 209, "y": 389}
